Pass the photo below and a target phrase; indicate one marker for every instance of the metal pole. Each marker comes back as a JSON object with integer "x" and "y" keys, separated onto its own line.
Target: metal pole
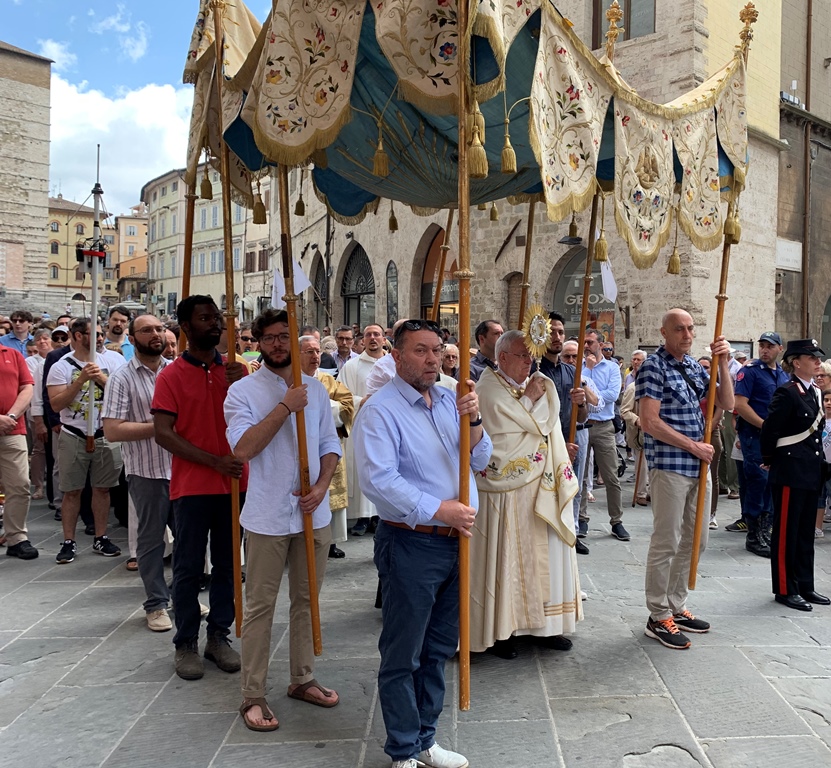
{"x": 300, "y": 417}
{"x": 190, "y": 207}
{"x": 230, "y": 309}
{"x": 93, "y": 319}
{"x": 445, "y": 247}
{"x": 526, "y": 267}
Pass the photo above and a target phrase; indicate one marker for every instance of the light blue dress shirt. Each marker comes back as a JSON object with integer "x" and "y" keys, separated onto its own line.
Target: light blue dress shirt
{"x": 407, "y": 454}
{"x": 606, "y": 379}
{"x": 12, "y": 342}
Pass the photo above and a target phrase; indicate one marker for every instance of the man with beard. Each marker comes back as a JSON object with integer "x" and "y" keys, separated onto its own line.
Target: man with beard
{"x": 128, "y": 420}
{"x": 261, "y": 431}
{"x": 407, "y": 451}
{"x": 171, "y": 346}
{"x": 189, "y": 422}
{"x": 562, "y": 374}
{"x": 117, "y": 323}
{"x": 354, "y": 375}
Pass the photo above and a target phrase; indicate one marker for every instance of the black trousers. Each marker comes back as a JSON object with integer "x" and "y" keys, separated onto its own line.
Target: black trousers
{"x": 792, "y": 542}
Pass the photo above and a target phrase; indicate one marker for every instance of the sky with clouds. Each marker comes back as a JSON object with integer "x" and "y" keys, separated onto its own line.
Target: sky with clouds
{"x": 116, "y": 81}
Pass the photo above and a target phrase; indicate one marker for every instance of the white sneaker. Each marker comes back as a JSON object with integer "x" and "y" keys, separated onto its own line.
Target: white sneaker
{"x": 437, "y": 757}
{"x": 819, "y": 533}
{"x": 583, "y": 595}
{"x": 159, "y": 621}
{"x": 713, "y": 524}
{"x": 203, "y": 610}
{"x": 411, "y": 763}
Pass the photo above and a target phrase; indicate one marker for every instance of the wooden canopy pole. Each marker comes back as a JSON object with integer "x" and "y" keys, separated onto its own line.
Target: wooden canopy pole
{"x": 445, "y": 247}
{"x": 463, "y": 275}
{"x": 230, "y": 309}
{"x": 748, "y": 15}
{"x": 300, "y": 417}
{"x": 190, "y": 208}
{"x": 526, "y": 267}
{"x": 584, "y": 313}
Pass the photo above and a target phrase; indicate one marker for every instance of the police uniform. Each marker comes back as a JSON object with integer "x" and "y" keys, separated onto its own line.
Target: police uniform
{"x": 791, "y": 445}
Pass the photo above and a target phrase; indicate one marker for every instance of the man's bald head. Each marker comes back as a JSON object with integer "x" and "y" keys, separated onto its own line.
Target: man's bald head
{"x": 678, "y": 330}
{"x": 673, "y": 315}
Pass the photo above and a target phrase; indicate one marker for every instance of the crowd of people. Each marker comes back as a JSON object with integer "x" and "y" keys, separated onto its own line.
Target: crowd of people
{"x": 124, "y": 420}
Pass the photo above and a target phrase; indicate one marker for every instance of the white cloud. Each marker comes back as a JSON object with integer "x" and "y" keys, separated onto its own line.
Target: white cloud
{"x": 143, "y": 134}
{"x": 135, "y": 46}
{"x": 133, "y": 38}
{"x": 59, "y": 53}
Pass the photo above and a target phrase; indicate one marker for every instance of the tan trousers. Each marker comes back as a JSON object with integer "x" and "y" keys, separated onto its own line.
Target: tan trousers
{"x": 265, "y": 562}
{"x": 602, "y": 440}
{"x": 641, "y": 491}
{"x": 674, "y": 498}
{"x": 14, "y": 474}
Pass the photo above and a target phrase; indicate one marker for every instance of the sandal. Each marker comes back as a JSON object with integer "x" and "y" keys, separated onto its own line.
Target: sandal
{"x": 301, "y": 693}
{"x": 131, "y": 564}
{"x": 268, "y": 715}
{"x": 37, "y": 495}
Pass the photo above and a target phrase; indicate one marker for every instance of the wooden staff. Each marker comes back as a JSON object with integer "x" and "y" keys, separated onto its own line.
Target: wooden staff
{"x": 445, "y": 247}
{"x": 463, "y": 276}
{"x": 230, "y": 309}
{"x": 300, "y": 418}
{"x": 638, "y": 471}
{"x": 526, "y": 267}
{"x": 190, "y": 208}
{"x": 584, "y": 314}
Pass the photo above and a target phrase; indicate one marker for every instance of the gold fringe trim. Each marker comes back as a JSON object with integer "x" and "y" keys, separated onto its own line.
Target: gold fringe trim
{"x": 434, "y": 105}
{"x": 702, "y": 243}
{"x": 640, "y": 259}
{"x": 350, "y": 221}
{"x": 420, "y": 210}
{"x": 525, "y": 197}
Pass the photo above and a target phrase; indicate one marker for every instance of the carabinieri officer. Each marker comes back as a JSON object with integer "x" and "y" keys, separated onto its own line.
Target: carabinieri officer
{"x": 791, "y": 445}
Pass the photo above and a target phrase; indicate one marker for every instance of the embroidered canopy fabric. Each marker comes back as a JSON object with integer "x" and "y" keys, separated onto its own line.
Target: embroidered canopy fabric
{"x": 326, "y": 79}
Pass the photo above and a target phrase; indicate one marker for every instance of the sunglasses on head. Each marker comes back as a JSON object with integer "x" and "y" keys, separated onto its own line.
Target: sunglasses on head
{"x": 418, "y": 325}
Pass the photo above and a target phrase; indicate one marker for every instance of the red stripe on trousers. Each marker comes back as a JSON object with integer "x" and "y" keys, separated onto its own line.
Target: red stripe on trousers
{"x": 783, "y": 539}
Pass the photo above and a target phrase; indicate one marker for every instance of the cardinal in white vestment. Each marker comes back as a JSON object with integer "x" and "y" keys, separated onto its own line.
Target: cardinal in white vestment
{"x": 524, "y": 578}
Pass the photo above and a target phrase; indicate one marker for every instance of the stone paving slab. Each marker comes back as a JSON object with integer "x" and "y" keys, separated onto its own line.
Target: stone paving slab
{"x": 335, "y": 754}
{"x": 790, "y": 662}
{"x": 794, "y": 753}
{"x": 509, "y": 745}
{"x": 34, "y": 602}
{"x": 811, "y": 698}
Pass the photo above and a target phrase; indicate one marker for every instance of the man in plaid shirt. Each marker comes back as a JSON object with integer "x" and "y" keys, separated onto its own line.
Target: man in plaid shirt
{"x": 669, "y": 391}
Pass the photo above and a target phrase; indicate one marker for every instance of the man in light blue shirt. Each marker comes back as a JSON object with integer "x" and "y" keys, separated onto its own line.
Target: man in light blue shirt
{"x": 605, "y": 375}
{"x": 406, "y": 441}
{"x": 21, "y": 321}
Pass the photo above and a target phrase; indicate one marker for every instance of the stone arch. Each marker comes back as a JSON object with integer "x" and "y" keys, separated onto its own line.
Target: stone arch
{"x": 422, "y": 251}
{"x": 356, "y": 286}
{"x": 513, "y": 289}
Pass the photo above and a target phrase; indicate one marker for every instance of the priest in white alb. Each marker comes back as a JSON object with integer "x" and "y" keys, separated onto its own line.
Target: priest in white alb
{"x": 524, "y": 578}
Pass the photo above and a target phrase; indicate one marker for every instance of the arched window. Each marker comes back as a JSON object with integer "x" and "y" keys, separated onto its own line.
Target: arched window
{"x": 392, "y": 294}
{"x": 79, "y": 229}
{"x": 54, "y": 226}
{"x": 53, "y": 272}
{"x": 321, "y": 291}
{"x": 358, "y": 289}
{"x": 53, "y": 247}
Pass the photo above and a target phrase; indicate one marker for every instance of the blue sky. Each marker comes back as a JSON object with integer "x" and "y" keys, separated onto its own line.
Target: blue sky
{"x": 117, "y": 81}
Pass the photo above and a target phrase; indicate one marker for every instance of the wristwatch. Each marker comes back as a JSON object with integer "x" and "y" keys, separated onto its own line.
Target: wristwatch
{"x": 12, "y": 415}
{"x": 477, "y": 421}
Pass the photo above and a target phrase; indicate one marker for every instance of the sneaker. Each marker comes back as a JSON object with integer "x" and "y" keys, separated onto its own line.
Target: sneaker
{"x": 666, "y": 633}
{"x": 89, "y": 530}
{"x": 218, "y": 650}
{"x": 619, "y": 532}
{"x": 826, "y": 518}
{"x": 203, "y": 610}
{"x": 411, "y": 763}
{"x": 188, "y": 662}
{"x": 103, "y": 546}
{"x": 582, "y": 529}
{"x": 740, "y": 526}
{"x": 58, "y": 515}
{"x": 713, "y": 524}
{"x": 159, "y": 621}
{"x": 438, "y": 757}
{"x": 687, "y": 621}
{"x": 733, "y": 495}
{"x": 67, "y": 553}
{"x": 25, "y": 551}
{"x": 360, "y": 528}
{"x": 818, "y": 534}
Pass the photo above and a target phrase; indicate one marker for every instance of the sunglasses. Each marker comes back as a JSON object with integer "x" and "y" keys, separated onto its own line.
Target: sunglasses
{"x": 247, "y": 338}
{"x": 418, "y": 325}
{"x": 60, "y": 337}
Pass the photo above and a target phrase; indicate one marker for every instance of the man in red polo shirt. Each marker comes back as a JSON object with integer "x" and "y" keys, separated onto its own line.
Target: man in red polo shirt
{"x": 190, "y": 423}
{"x": 16, "y": 387}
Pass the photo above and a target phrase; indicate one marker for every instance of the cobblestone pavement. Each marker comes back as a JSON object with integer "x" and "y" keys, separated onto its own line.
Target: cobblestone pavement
{"x": 84, "y": 683}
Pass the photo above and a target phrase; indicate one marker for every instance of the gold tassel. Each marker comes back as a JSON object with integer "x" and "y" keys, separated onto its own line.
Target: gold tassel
{"x": 572, "y": 228}
{"x": 206, "y": 189}
{"x": 479, "y": 121}
{"x": 393, "y": 222}
{"x": 508, "y": 153}
{"x": 494, "y": 212}
{"x": 738, "y": 177}
{"x": 477, "y": 158}
{"x": 482, "y": 207}
{"x": 601, "y": 246}
{"x": 381, "y": 160}
{"x": 737, "y": 229}
{"x": 258, "y": 215}
{"x": 674, "y": 266}
{"x": 300, "y": 206}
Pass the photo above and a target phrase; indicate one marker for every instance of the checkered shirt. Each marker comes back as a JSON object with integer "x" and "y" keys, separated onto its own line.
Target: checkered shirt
{"x": 659, "y": 379}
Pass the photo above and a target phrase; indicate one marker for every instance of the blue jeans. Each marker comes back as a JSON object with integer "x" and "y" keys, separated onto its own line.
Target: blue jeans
{"x": 196, "y": 517}
{"x": 419, "y": 575}
{"x": 758, "y": 499}
{"x": 581, "y": 437}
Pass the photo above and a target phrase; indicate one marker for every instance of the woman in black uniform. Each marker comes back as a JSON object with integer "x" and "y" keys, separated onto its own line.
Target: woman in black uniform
{"x": 791, "y": 444}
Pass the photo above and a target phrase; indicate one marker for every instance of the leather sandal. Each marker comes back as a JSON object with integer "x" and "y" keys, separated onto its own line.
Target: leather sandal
{"x": 268, "y": 715}
{"x": 301, "y": 693}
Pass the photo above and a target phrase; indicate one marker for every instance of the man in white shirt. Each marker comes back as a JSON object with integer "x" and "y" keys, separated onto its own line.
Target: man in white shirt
{"x": 43, "y": 345}
{"x": 354, "y": 375}
{"x": 75, "y": 384}
{"x": 261, "y": 431}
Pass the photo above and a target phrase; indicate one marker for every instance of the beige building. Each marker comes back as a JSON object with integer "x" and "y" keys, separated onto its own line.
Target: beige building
{"x": 365, "y": 272}
{"x": 24, "y": 181}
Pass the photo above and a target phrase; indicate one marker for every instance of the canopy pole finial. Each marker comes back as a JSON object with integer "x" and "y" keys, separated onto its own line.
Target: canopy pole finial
{"x": 748, "y": 16}
{"x": 613, "y": 16}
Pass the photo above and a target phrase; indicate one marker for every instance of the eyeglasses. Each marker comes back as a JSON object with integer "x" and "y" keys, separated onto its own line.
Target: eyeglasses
{"x": 60, "y": 337}
{"x": 152, "y": 329}
{"x": 608, "y": 349}
{"x": 19, "y": 320}
{"x": 270, "y": 338}
{"x": 524, "y": 356}
{"x": 247, "y": 339}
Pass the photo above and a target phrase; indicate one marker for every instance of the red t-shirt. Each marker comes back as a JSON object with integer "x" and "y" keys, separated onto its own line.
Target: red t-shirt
{"x": 195, "y": 394}
{"x": 14, "y": 373}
